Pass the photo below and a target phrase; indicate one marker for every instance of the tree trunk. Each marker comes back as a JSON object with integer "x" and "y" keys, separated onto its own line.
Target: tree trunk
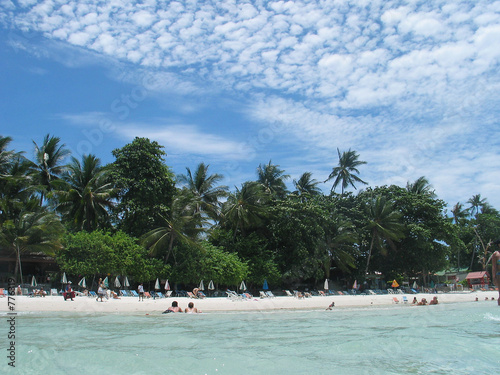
{"x": 369, "y": 254}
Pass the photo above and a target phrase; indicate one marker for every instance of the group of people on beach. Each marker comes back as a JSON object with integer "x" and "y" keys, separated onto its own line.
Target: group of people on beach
{"x": 188, "y": 310}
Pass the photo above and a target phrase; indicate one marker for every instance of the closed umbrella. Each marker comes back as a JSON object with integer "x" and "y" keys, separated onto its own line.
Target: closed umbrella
{"x": 83, "y": 283}
{"x": 325, "y": 285}
{"x": 355, "y": 285}
{"x": 106, "y": 282}
{"x": 415, "y": 286}
{"x": 243, "y": 286}
{"x": 211, "y": 285}
{"x": 265, "y": 286}
{"x": 201, "y": 286}
{"x": 157, "y": 284}
{"x": 167, "y": 286}
{"x": 125, "y": 282}
{"x": 117, "y": 283}
{"x": 33, "y": 281}
{"x": 64, "y": 280}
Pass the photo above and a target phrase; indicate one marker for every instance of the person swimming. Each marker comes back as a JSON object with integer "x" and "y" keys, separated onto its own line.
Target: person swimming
{"x": 172, "y": 309}
{"x": 496, "y": 269}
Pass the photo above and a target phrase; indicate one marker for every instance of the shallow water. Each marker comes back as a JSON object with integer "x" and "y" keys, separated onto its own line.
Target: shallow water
{"x": 449, "y": 338}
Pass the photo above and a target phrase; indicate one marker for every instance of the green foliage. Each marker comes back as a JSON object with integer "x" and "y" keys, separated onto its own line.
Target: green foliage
{"x": 100, "y": 254}
{"x": 146, "y": 186}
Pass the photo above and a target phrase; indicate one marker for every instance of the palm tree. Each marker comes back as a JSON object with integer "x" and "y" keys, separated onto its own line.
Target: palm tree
{"x": 183, "y": 224}
{"x": 87, "y": 194}
{"x": 205, "y": 190}
{"x": 384, "y": 225}
{"x": 34, "y": 230}
{"x": 476, "y": 203}
{"x": 421, "y": 186}
{"x": 272, "y": 179}
{"x": 459, "y": 213}
{"x": 306, "y": 185}
{"x": 246, "y": 207}
{"x": 47, "y": 167}
{"x": 346, "y": 171}
{"x": 6, "y": 156}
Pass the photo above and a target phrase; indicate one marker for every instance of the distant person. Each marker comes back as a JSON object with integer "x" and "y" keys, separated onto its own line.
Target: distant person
{"x": 415, "y": 301}
{"x": 69, "y": 292}
{"x": 140, "y": 290}
{"x": 114, "y": 295}
{"x": 191, "y": 309}
{"x": 173, "y": 309}
{"x": 331, "y": 306}
{"x": 495, "y": 263}
{"x": 434, "y": 301}
{"x": 423, "y": 302}
{"x": 101, "y": 290}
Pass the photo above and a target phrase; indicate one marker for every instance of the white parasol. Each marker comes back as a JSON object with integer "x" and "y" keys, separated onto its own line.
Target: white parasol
{"x": 243, "y": 286}
{"x": 64, "y": 280}
{"x": 83, "y": 283}
{"x": 211, "y": 285}
{"x": 201, "y": 286}
{"x": 117, "y": 282}
{"x": 157, "y": 284}
{"x": 33, "y": 281}
{"x": 355, "y": 285}
{"x": 325, "y": 286}
{"x": 125, "y": 282}
{"x": 167, "y": 285}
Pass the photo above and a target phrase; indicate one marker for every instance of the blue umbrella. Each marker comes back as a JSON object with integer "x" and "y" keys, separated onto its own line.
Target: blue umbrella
{"x": 265, "y": 286}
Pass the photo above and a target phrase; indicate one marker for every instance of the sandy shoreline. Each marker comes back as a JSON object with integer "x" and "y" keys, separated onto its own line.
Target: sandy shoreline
{"x": 218, "y": 304}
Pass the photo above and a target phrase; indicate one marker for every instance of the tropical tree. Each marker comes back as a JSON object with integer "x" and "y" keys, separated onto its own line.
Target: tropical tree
{"x": 6, "y": 156}
{"x": 205, "y": 190}
{"x": 384, "y": 225}
{"x": 47, "y": 167}
{"x": 476, "y": 203}
{"x": 183, "y": 224}
{"x": 272, "y": 179}
{"x": 87, "y": 195}
{"x": 459, "y": 213}
{"x": 346, "y": 171}
{"x": 34, "y": 230}
{"x": 306, "y": 185}
{"x": 246, "y": 208}
{"x": 421, "y": 186}
{"x": 146, "y": 187}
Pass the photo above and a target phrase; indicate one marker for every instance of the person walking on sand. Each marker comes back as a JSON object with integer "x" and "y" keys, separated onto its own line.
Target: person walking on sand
{"x": 495, "y": 264}
{"x": 140, "y": 289}
{"x": 100, "y": 290}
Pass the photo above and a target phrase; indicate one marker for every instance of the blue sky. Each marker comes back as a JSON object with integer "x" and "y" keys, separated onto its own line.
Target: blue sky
{"x": 412, "y": 86}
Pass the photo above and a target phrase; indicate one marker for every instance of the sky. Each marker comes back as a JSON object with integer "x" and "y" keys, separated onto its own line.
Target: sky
{"x": 412, "y": 86}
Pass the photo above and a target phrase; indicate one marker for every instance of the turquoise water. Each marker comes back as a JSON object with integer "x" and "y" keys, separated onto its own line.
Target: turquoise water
{"x": 449, "y": 338}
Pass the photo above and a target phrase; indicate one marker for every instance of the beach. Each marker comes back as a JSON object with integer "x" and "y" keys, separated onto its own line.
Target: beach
{"x": 221, "y": 304}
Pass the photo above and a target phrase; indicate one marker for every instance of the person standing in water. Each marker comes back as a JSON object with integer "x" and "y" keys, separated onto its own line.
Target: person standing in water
{"x": 495, "y": 263}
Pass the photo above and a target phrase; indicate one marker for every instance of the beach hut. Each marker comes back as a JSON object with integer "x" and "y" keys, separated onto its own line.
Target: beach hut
{"x": 478, "y": 279}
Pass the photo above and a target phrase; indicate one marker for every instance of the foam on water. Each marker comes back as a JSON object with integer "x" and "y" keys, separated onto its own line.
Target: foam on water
{"x": 448, "y": 338}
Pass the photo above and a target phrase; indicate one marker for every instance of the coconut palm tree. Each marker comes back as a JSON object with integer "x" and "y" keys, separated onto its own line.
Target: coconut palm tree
{"x": 346, "y": 171}
{"x": 384, "y": 225}
{"x": 246, "y": 207}
{"x": 184, "y": 224}
{"x": 476, "y": 204}
{"x": 47, "y": 166}
{"x": 6, "y": 156}
{"x": 459, "y": 213}
{"x": 34, "y": 230}
{"x": 420, "y": 186}
{"x": 87, "y": 194}
{"x": 306, "y": 185}
{"x": 205, "y": 190}
{"x": 272, "y": 179}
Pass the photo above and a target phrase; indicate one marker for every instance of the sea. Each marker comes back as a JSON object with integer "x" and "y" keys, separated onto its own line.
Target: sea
{"x": 454, "y": 338}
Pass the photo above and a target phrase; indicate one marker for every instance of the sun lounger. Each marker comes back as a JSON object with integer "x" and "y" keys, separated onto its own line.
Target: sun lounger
{"x": 159, "y": 295}
{"x": 371, "y": 292}
{"x": 168, "y": 293}
{"x": 53, "y": 292}
{"x": 92, "y": 294}
{"x": 262, "y": 294}
{"x": 288, "y": 293}
{"x": 2, "y": 293}
{"x": 191, "y": 295}
{"x": 123, "y": 293}
{"x": 233, "y": 296}
{"x": 395, "y": 300}
{"x": 270, "y": 294}
{"x": 147, "y": 295}
{"x": 321, "y": 293}
{"x": 390, "y": 291}
{"x": 134, "y": 293}
{"x": 405, "y": 300}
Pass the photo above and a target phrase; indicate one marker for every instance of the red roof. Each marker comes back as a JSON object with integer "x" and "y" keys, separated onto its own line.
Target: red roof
{"x": 477, "y": 275}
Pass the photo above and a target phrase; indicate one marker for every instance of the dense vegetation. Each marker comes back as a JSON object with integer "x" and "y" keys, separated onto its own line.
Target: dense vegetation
{"x": 134, "y": 217}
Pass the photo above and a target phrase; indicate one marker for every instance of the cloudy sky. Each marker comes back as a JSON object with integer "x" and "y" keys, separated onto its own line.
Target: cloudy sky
{"x": 413, "y": 86}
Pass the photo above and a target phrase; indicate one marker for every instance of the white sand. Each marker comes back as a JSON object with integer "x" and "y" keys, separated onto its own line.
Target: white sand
{"x": 150, "y": 306}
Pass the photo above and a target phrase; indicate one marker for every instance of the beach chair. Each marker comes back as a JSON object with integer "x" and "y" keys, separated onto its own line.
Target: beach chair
{"x": 262, "y": 294}
{"x": 371, "y": 292}
{"x": 321, "y": 293}
{"x": 123, "y": 293}
{"x": 160, "y": 295}
{"x": 395, "y": 300}
{"x": 288, "y": 293}
{"x": 134, "y": 293}
{"x": 390, "y": 291}
{"x": 270, "y": 294}
{"x": 53, "y": 292}
{"x": 191, "y": 295}
{"x": 233, "y": 296}
{"x": 405, "y": 300}
{"x": 147, "y": 294}
{"x": 399, "y": 291}
{"x": 92, "y": 294}
{"x": 168, "y": 294}
{"x": 248, "y": 295}
{"x": 2, "y": 293}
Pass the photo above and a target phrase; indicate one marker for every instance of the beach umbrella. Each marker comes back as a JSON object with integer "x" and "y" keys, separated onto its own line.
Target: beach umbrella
{"x": 355, "y": 285}
{"x": 211, "y": 285}
{"x": 432, "y": 284}
{"x": 83, "y": 283}
{"x": 117, "y": 282}
{"x": 157, "y": 284}
{"x": 33, "y": 281}
{"x": 265, "y": 286}
{"x": 325, "y": 285}
{"x": 64, "y": 280}
{"x": 395, "y": 284}
{"x": 201, "y": 286}
{"x": 125, "y": 282}
{"x": 167, "y": 286}
{"x": 243, "y": 286}
{"x": 106, "y": 282}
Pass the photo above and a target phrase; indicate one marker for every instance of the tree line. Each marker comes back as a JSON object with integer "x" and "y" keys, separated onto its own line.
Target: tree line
{"x": 135, "y": 217}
